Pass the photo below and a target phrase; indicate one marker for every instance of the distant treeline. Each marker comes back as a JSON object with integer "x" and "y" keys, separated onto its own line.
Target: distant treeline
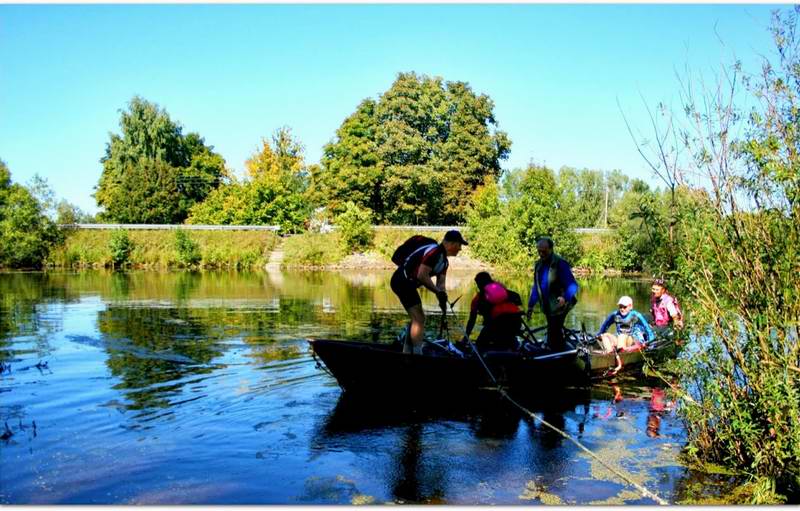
{"x": 425, "y": 152}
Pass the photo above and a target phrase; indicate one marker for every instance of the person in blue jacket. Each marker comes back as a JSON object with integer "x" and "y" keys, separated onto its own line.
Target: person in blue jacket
{"x": 554, "y": 287}
{"x": 632, "y": 327}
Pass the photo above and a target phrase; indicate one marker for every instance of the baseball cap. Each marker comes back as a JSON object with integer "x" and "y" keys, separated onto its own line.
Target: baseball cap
{"x": 455, "y": 236}
{"x": 627, "y": 301}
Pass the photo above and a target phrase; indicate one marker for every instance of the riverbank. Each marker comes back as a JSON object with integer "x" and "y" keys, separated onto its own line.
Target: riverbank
{"x": 255, "y": 250}
{"x": 158, "y": 249}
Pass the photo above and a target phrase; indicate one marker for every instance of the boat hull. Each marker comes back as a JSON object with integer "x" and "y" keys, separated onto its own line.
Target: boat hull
{"x": 380, "y": 368}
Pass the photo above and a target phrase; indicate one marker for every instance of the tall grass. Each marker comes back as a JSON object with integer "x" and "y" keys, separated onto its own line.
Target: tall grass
{"x": 156, "y": 249}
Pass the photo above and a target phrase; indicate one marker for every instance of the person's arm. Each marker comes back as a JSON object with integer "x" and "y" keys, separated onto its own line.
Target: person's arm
{"x": 534, "y": 297}
{"x": 424, "y": 277}
{"x": 441, "y": 280}
{"x": 606, "y": 324}
{"x": 648, "y": 331}
{"x": 674, "y": 313}
{"x": 568, "y": 280}
{"x": 473, "y": 316}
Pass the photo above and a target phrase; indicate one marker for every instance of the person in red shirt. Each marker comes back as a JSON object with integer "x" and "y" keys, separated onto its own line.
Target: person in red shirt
{"x": 502, "y": 316}
{"x": 416, "y": 270}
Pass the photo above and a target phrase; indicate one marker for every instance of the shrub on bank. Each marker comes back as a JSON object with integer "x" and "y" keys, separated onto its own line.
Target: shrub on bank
{"x": 355, "y": 228}
{"x": 120, "y": 247}
{"x": 600, "y": 252}
{"x": 187, "y": 250}
{"x": 313, "y": 249}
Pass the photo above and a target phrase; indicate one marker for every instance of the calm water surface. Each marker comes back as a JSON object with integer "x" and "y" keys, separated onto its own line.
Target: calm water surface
{"x": 199, "y": 388}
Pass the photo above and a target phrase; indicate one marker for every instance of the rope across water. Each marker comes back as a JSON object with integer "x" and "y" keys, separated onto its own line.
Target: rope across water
{"x": 644, "y": 491}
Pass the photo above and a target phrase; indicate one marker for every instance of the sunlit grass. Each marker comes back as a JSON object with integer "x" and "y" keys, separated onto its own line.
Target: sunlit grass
{"x": 156, "y": 249}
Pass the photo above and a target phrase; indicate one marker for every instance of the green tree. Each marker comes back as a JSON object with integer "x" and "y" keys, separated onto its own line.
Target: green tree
{"x": 26, "y": 232}
{"x": 414, "y": 155}
{"x": 153, "y": 160}
{"x": 68, "y": 213}
{"x": 540, "y": 210}
{"x": 493, "y": 235}
{"x": 273, "y": 193}
{"x": 355, "y": 228}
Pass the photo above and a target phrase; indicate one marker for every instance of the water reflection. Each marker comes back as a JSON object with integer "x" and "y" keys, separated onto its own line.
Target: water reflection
{"x": 481, "y": 433}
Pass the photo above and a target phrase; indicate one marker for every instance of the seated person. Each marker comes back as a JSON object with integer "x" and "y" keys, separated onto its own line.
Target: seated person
{"x": 502, "y": 316}
{"x": 664, "y": 308}
{"x": 632, "y": 327}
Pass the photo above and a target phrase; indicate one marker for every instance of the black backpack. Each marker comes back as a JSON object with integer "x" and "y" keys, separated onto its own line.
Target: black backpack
{"x": 409, "y": 247}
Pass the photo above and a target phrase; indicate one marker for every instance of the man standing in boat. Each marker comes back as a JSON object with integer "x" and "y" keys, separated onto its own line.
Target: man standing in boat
{"x": 420, "y": 259}
{"x": 555, "y": 288}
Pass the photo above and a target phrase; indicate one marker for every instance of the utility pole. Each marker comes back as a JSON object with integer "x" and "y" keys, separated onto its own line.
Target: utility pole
{"x": 605, "y": 214}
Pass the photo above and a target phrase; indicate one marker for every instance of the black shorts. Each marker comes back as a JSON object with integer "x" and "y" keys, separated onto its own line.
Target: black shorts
{"x": 405, "y": 289}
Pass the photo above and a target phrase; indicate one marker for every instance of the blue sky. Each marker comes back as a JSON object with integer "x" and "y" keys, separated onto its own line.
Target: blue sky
{"x": 235, "y": 73}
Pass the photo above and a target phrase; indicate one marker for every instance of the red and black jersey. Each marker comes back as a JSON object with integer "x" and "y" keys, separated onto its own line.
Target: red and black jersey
{"x": 434, "y": 257}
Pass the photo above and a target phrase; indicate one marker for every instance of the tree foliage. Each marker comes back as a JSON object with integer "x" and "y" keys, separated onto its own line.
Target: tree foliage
{"x": 736, "y": 245}
{"x": 504, "y": 229}
{"x": 26, "y": 233}
{"x": 187, "y": 250}
{"x": 415, "y": 155}
{"x": 152, "y": 172}
{"x": 68, "y": 213}
{"x": 355, "y": 227}
{"x": 272, "y": 193}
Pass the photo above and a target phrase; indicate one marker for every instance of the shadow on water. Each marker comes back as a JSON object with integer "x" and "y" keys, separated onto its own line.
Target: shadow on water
{"x": 419, "y": 469}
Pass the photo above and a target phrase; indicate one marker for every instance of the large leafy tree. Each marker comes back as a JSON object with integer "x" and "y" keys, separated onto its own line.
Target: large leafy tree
{"x": 26, "y": 233}
{"x": 152, "y": 172}
{"x": 416, "y": 154}
{"x": 540, "y": 210}
{"x": 272, "y": 193}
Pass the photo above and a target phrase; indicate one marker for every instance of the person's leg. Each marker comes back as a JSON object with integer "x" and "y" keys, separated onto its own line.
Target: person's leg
{"x": 609, "y": 342}
{"x": 625, "y": 341}
{"x": 409, "y": 297}
{"x": 509, "y": 326}
{"x": 555, "y": 332}
{"x": 417, "y": 316}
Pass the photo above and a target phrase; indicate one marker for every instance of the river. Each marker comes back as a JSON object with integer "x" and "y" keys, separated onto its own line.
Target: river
{"x": 199, "y": 388}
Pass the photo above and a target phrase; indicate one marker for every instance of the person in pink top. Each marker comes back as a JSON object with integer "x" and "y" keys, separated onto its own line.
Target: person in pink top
{"x": 664, "y": 306}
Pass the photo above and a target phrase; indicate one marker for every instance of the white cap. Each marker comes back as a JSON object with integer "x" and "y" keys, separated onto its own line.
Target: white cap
{"x": 627, "y": 301}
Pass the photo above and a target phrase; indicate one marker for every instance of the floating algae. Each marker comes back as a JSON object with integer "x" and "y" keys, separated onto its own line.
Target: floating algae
{"x": 619, "y": 499}
{"x": 612, "y": 453}
{"x": 536, "y": 490}
{"x": 362, "y": 500}
{"x": 337, "y": 489}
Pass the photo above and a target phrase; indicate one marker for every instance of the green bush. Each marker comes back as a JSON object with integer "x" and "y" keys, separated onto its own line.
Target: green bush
{"x": 312, "y": 249}
{"x": 187, "y": 250}
{"x": 600, "y": 252}
{"x": 120, "y": 246}
{"x": 355, "y": 228}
